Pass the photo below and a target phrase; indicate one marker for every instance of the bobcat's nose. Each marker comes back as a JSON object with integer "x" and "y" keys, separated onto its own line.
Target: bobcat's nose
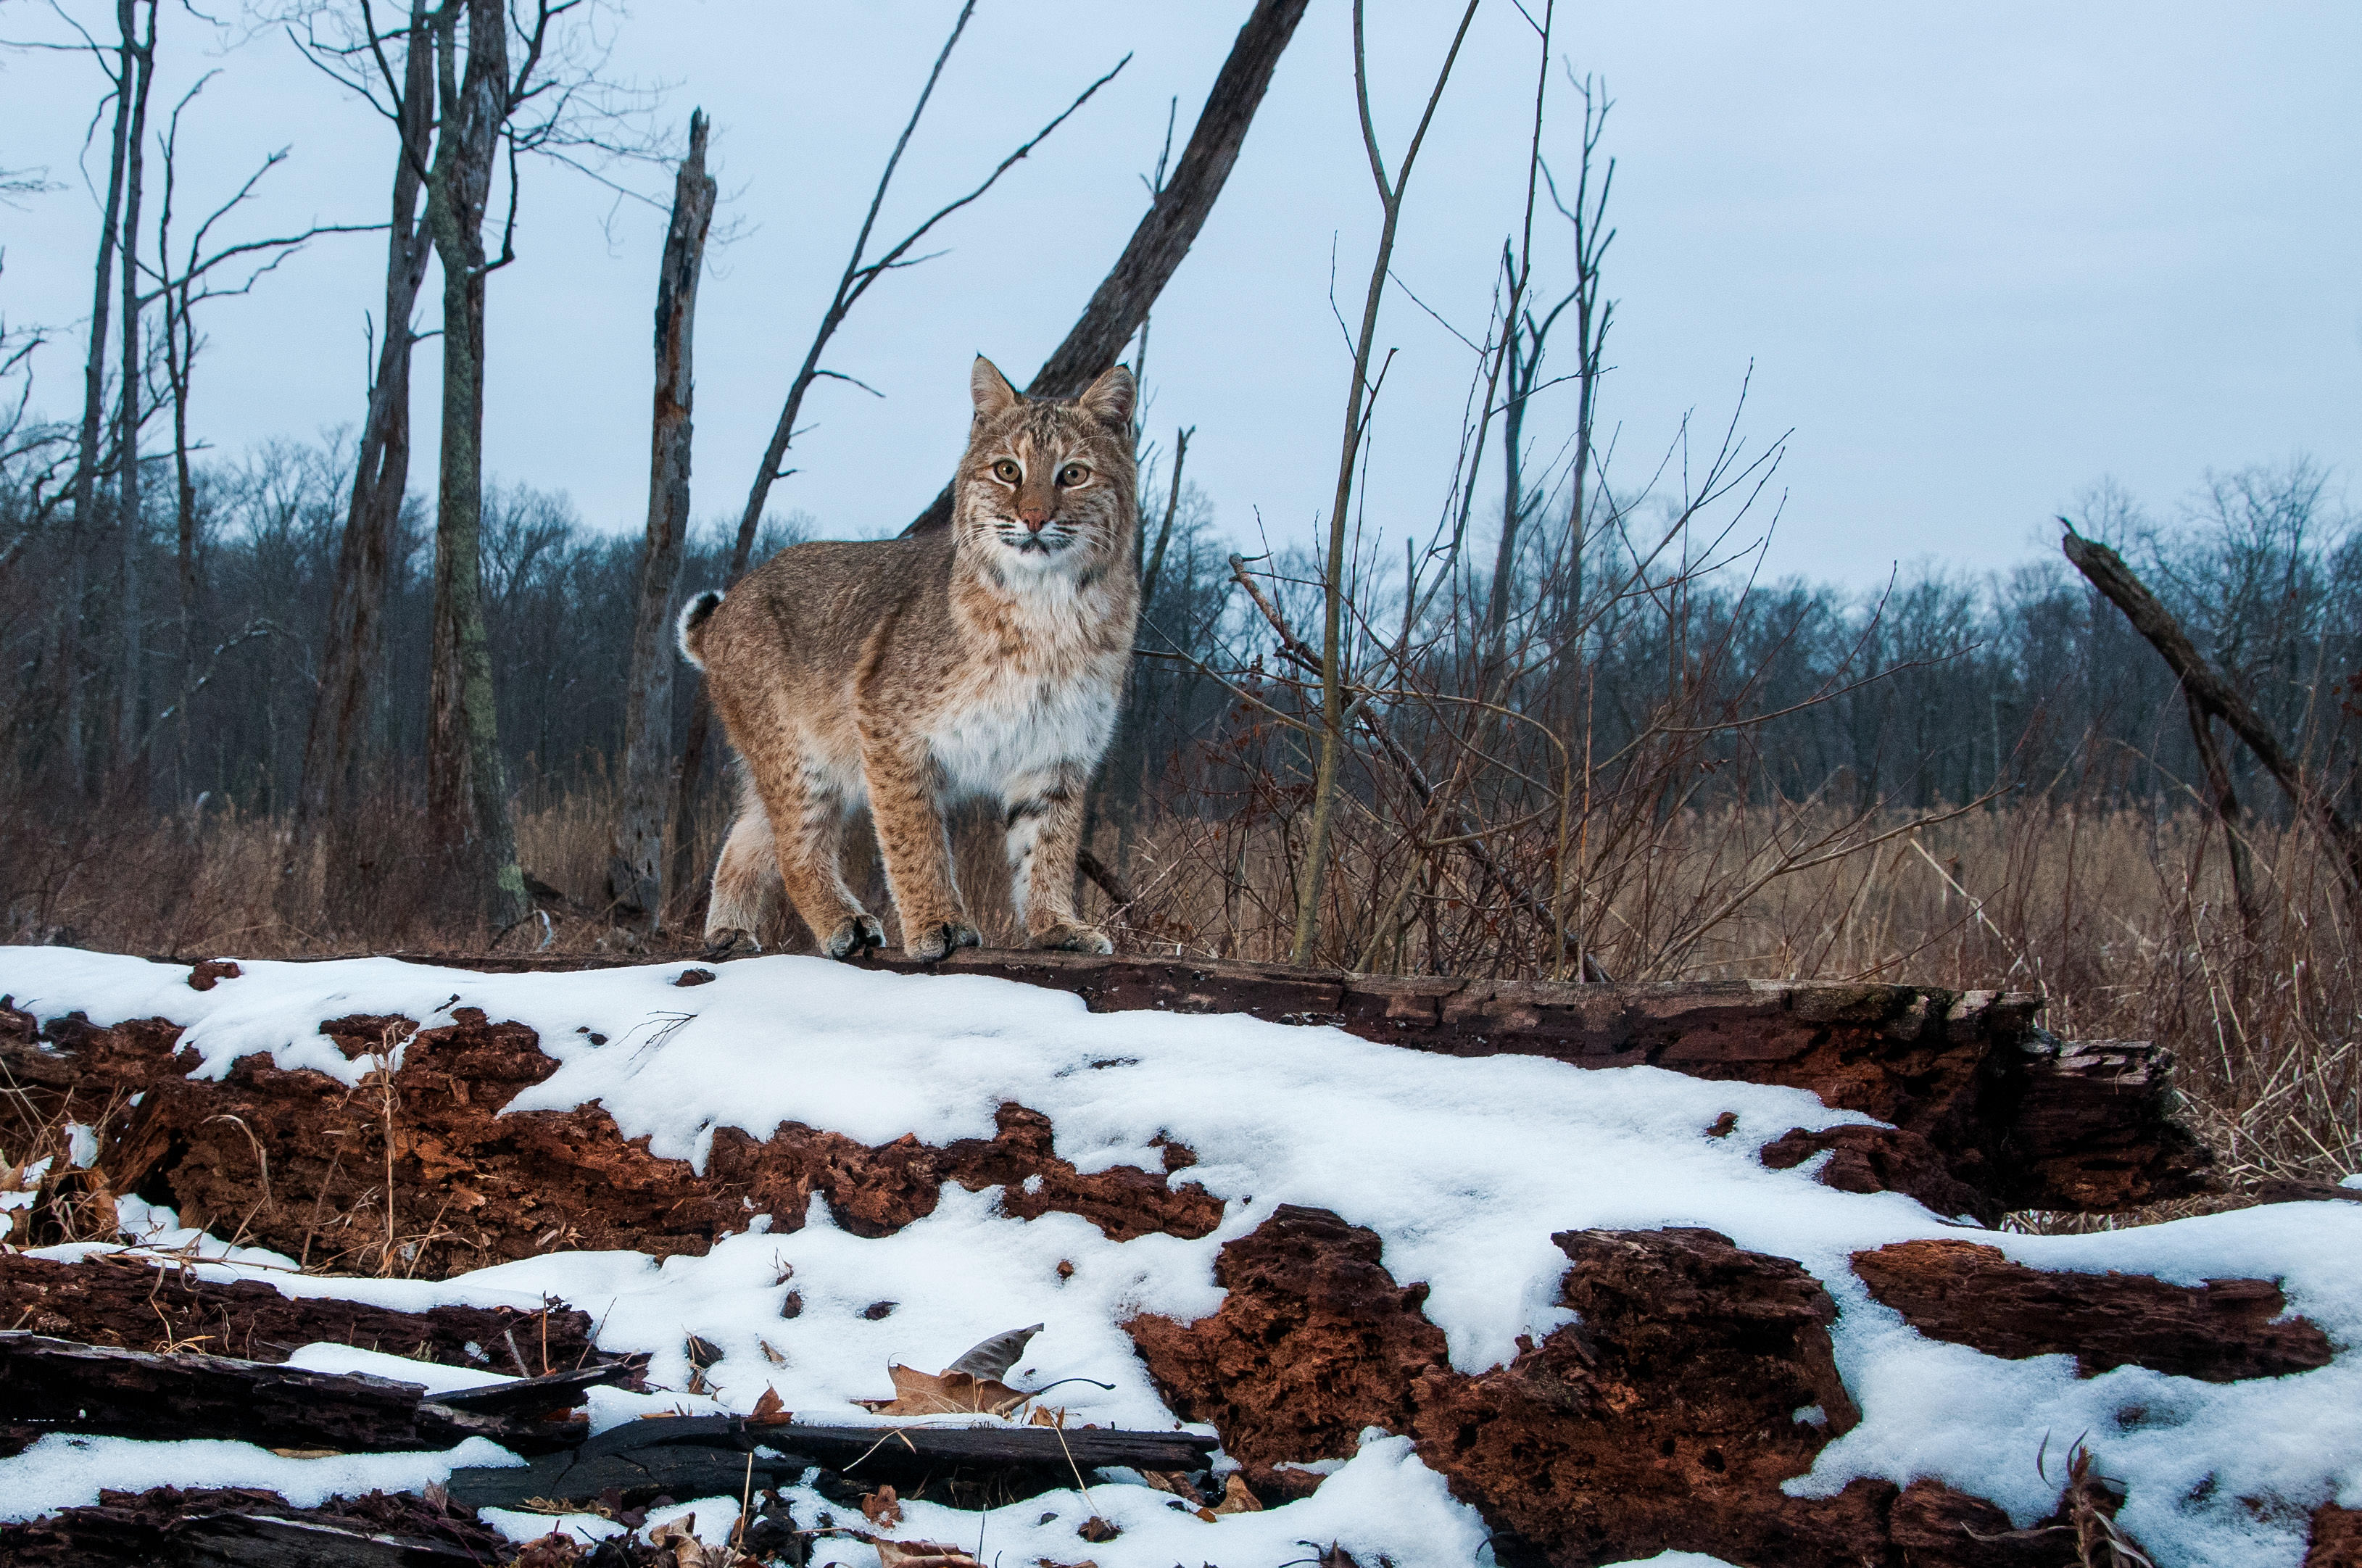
{"x": 1033, "y": 517}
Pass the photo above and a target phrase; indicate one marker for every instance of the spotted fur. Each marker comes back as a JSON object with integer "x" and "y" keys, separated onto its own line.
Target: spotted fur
{"x": 986, "y": 660}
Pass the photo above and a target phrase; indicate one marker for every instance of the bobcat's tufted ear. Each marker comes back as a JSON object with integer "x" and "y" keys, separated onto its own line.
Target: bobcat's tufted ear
{"x": 994, "y": 395}
{"x": 1110, "y": 397}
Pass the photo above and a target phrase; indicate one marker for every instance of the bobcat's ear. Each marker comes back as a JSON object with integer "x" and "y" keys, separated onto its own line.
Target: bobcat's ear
{"x": 994, "y": 395}
{"x": 1110, "y": 397}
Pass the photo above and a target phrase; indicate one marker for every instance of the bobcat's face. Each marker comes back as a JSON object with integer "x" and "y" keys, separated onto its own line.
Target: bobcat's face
{"x": 1047, "y": 485}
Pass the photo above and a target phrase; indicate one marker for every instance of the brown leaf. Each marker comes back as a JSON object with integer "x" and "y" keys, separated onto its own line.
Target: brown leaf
{"x": 882, "y": 1508}
{"x": 1098, "y": 1531}
{"x": 770, "y": 1407}
{"x": 918, "y": 1393}
{"x": 1236, "y": 1499}
{"x": 1175, "y": 1482}
{"x": 921, "y": 1555}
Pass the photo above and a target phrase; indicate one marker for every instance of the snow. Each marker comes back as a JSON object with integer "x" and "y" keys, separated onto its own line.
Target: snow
{"x": 1464, "y": 1167}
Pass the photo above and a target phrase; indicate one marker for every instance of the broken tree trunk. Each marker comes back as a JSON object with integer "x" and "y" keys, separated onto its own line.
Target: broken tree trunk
{"x": 48, "y": 1385}
{"x": 2212, "y": 690}
{"x": 249, "y": 1529}
{"x": 635, "y": 869}
{"x": 1125, "y": 295}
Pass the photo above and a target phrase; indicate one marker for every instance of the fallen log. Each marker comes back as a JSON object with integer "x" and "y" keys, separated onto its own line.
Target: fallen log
{"x": 1999, "y": 1105}
{"x": 698, "y": 1455}
{"x": 252, "y": 1529}
{"x": 133, "y": 1302}
{"x": 1968, "y": 1293}
{"x": 48, "y": 1385}
{"x": 1699, "y": 1377}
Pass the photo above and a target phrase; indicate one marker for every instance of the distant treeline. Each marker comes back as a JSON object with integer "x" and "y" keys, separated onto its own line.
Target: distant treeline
{"x": 1935, "y": 691}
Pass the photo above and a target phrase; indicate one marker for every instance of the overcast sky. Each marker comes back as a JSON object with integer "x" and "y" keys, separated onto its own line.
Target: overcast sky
{"x": 1978, "y": 257}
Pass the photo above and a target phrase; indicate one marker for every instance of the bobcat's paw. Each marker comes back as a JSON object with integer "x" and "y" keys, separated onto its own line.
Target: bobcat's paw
{"x": 936, "y": 939}
{"x": 730, "y": 943}
{"x": 1067, "y": 937}
{"x": 852, "y": 934}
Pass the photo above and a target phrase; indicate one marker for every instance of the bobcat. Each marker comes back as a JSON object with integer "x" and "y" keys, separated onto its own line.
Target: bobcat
{"x": 983, "y": 659}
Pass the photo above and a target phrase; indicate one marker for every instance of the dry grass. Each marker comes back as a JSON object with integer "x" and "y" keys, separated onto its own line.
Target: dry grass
{"x": 2122, "y": 920}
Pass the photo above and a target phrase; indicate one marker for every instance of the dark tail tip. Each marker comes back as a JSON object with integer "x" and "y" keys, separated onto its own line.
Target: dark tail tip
{"x": 693, "y": 616}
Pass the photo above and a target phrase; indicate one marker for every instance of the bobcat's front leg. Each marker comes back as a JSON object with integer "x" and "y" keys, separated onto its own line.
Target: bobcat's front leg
{"x": 917, "y": 848}
{"x": 1045, "y": 832}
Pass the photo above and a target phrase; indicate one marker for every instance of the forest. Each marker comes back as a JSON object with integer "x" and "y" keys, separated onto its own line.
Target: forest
{"x": 352, "y": 692}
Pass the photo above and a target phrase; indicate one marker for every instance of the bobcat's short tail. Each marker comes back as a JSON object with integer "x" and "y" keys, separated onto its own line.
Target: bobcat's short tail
{"x": 691, "y": 625}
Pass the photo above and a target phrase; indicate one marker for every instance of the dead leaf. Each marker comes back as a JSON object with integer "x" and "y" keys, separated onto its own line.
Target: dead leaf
{"x": 774, "y": 1357}
{"x": 1175, "y": 1482}
{"x": 1098, "y": 1531}
{"x": 307, "y": 1452}
{"x": 882, "y": 1508}
{"x": 991, "y": 1360}
{"x": 702, "y": 1353}
{"x": 921, "y": 1555}
{"x": 687, "y": 1551}
{"x": 770, "y": 1408}
{"x": 1044, "y": 1416}
{"x": 1236, "y": 1499}
{"x": 918, "y": 1393}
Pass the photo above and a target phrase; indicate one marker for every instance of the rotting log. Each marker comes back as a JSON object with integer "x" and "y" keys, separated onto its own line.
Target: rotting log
{"x": 129, "y": 1302}
{"x": 1973, "y": 1295}
{"x": 252, "y": 1529}
{"x": 1991, "y": 1102}
{"x": 698, "y": 1455}
{"x": 59, "y": 1386}
{"x": 1989, "y": 1112}
{"x": 1698, "y": 1378}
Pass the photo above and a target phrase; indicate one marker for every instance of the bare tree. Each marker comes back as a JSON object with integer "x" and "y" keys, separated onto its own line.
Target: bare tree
{"x": 635, "y": 871}
{"x": 1332, "y": 646}
{"x": 336, "y": 746}
{"x": 139, "y": 76}
{"x": 483, "y": 101}
{"x": 202, "y": 272}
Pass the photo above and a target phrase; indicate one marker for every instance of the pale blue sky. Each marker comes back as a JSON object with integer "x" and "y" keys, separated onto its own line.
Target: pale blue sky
{"x": 1978, "y": 257}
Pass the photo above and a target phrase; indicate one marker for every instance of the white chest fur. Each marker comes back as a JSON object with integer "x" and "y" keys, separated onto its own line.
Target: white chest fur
{"x": 1048, "y": 707}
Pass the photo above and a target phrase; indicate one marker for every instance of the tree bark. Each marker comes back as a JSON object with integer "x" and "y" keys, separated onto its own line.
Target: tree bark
{"x": 1124, "y": 297}
{"x": 635, "y": 870}
{"x": 337, "y": 745}
{"x": 139, "y": 75}
{"x": 93, "y": 413}
{"x": 2208, "y": 687}
{"x": 467, "y": 784}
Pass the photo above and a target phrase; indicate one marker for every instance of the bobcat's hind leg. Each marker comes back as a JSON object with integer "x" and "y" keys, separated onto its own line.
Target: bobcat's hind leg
{"x": 806, "y": 810}
{"x": 744, "y": 905}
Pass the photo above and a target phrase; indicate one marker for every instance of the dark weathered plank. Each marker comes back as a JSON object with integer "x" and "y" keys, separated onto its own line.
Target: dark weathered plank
{"x": 50, "y": 1385}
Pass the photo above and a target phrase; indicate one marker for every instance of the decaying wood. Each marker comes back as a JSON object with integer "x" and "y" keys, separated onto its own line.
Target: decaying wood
{"x": 213, "y": 1527}
{"x": 1968, "y": 1294}
{"x": 50, "y": 1385}
{"x": 1987, "y": 1099}
{"x": 2209, "y": 689}
{"x": 128, "y": 1302}
{"x": 690, "y": 1455}
{"x": 1124, "y": 298}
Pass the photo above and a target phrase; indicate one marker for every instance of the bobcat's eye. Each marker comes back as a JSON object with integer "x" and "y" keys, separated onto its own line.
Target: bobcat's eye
{"x": 1006, "y": 472}
{"x": 1072, "y": 474}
